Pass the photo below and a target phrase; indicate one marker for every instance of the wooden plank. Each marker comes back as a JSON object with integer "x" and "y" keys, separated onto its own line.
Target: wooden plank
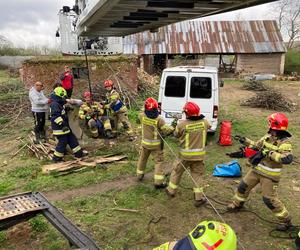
{"x": 79, "y": 163}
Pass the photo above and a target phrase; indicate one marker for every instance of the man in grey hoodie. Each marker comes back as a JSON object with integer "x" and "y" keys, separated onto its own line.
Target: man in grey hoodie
{"x": 39, "y": 107}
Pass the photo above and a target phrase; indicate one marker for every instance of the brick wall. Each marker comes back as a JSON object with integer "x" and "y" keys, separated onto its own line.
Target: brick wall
{"x": 260, "y": 63}
{"x": 47, "y": 70}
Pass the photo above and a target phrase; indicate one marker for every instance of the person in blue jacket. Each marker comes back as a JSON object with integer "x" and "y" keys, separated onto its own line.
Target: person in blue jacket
{"x": 60, "y": 126}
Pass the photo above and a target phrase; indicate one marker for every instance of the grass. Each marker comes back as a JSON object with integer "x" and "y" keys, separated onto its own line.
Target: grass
{"x": 158, "y": 219}
{"x": 292, "y": 62}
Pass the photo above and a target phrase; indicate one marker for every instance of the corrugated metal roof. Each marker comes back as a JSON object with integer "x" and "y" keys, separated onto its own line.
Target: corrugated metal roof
{"x": 208, "y": 37}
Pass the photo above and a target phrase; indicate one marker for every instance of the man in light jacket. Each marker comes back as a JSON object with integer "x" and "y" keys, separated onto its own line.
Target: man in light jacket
{"x": 39, "y": 107}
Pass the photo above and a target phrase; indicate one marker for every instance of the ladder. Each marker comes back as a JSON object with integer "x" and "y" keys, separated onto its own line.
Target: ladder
{"x": 20, "y": 207}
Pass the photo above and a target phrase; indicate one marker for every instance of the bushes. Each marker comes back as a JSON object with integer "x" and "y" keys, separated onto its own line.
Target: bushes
{"x": 292, "y": 62}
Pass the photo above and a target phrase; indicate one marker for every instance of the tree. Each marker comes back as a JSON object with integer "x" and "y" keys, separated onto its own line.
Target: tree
{"x": 288, "y": 14}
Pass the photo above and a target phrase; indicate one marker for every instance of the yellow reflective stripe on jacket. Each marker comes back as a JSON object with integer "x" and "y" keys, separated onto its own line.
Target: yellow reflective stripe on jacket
{"x": 192, "y": 128}
{"x": 149, "y": 121}
{"x": 153, "y": 123}
{"x": 187, "y": 141}
{"x": 114, "y": 96}
{"x": 151, "y": 142}
{"x": 60, "y": 132}
{"x": 172, "y": 185}
{"x": 58, "y": 120}
{"x": 159, "y": 177}
{"x": 268, "y": 171}
{"x": 76, "y": 149}
{"x": 270, "y": 146}
{"x": 192, "y": 152}
{"x": 198, "y": 190}
{"x": 286, "y": 147}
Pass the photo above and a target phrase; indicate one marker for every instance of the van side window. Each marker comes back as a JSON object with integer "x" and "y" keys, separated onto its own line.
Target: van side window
{"x": 175, "y": 86}
{"x": 200, "y": 87}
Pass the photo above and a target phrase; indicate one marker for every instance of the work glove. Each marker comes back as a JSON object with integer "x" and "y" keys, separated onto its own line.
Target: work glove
{"x": 65, "y": 129}
{"x": 258, "y": 157}
{"x": 241, "y": 139}
{"x": 174, "y": 123}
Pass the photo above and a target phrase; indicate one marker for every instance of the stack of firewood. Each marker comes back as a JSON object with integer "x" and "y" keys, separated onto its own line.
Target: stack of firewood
{"x": 41, "y": 150}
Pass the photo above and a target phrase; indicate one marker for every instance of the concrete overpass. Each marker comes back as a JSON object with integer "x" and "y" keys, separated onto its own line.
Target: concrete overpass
{"x": 124, "y": 17}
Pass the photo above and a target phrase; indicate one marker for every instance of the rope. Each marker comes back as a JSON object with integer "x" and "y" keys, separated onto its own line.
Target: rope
{"x": 196, "y": 184}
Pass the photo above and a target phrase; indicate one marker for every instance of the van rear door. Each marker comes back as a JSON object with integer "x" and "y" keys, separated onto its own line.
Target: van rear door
{"x": 174, "y": 95}
{"x": 202, "y": 91}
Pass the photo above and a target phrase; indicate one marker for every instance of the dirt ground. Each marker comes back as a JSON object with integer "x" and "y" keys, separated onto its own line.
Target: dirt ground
{"x": 160, "y": 219}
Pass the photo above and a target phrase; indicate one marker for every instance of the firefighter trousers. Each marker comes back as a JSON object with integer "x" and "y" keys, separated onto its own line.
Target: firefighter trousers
{"x": 63, "y": 141}
{"x": 96, "y": 125}
{"x": 158, "y": 157}
{"x": 269, "y": 192}
{"x": 121, "y": 118}
{"x": 197, "y": 171}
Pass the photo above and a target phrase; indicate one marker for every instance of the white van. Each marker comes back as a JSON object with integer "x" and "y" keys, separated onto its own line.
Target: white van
{"x": 197, "y": 84}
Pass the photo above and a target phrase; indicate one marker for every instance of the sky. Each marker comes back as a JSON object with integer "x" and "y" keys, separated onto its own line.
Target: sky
{"x": 34, "y": 22}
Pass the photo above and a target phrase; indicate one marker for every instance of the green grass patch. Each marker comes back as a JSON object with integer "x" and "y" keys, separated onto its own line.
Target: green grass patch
{"x": 2, "y": 237}
{"x": 4, "y": 120}
{"x": 292, "y": 61}
{"x": 39, "y": 224}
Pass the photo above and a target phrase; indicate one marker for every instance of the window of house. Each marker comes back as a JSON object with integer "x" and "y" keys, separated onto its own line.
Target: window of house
{"x": 201, "y": 87}
{"x": 81, "y": 72}
{"x": 175, "y": 86}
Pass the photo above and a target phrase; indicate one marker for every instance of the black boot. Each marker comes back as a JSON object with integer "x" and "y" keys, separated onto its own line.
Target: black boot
{"x": 108, "y": 134}
{"x": 37, "y": 137}
{"x": 43, "y": 136}
{"x": 140, "y": 177}
{"x": 199, "y": 203}
{"x": 284, "y": 226}
{"x": 232, "y": 207}
{"x": 160, "y": 186}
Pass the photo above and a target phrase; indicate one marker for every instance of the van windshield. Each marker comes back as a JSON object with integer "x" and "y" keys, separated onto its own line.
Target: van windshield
{"x": 175, "y": 86}
{"x": 200, "y": 87}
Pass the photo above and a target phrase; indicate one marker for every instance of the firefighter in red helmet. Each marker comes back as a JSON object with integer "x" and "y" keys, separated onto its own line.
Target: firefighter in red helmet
{"x": 274, "y": 151}
{"x": 92, "y": 114}
{"x": 192, "y": 137}
{"x": 152, "y": 126}
{"x": 117, "y": 108}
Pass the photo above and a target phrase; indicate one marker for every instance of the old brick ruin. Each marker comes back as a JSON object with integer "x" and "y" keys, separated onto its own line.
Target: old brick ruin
{"x": 120, "y": 69}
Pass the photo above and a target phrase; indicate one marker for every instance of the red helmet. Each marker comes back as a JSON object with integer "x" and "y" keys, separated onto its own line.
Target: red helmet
{"x": 191, "y": 109}
{"x": 108, "y": 83}
{"x": 87, "y": 94}
{"x": 278, "y": 121}
{"x": 151, "y": 103}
